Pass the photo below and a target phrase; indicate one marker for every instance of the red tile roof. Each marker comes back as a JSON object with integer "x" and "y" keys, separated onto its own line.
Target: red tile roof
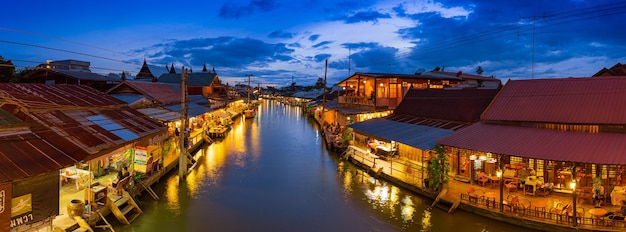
{"x": 597, "y": 148}
{"x": 457, "y": 105}
{"x": 566, "y": 100}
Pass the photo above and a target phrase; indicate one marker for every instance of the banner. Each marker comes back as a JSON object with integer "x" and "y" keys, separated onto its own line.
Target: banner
{"x": 5, "y": 207}
{"x": 35, "y": 199}
{"x": 141, "y": 159}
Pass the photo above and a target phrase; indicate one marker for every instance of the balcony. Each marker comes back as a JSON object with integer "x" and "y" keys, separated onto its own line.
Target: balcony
{"x": 362, "y": 102}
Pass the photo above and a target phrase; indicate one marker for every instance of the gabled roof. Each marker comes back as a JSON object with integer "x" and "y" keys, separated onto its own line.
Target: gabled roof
{"x": 563, "y": 100}
{"x": 195, "y": 78}
{"x": 145, "y": 73}
{"x": 617, "y": 70}
{"x": 461, "y": 75}
{"x": 458, "y": 105}
{"x": 157, "y": 91}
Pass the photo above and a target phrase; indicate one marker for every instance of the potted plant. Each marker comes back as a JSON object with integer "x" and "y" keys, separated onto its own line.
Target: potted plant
{"x": 438, "y": 169}
{"x": 347, "y": 136}
{"x": 597, "y": 188}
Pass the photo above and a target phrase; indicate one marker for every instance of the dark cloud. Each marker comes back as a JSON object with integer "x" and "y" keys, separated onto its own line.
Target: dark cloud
{"x": 233, "y": 11}
{"x": 223, "y": 51}
{"x": 365, "y": 16}
{"x": 314, "y": 37}
{"x": 321, "y": 57}
{"x": 281, "y": 34}
{"x": 322, "y": 44}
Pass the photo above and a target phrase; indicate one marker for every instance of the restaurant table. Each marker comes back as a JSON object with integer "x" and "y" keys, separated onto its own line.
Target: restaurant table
{"x": 495, "y": 181}
{"x": 540, "y": 207}
{"x": 79, "y": 176}
{"x": 597, "y": 214}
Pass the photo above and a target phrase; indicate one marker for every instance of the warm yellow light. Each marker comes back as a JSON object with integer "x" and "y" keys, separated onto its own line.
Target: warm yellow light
{"x": 381, "y": 85}
{"x": 348, "y": 118}
{"x": 498, "y": 173}
{"x": 364, "y": 82}
{"x": 351, "y": 86}
{"x": 572, "y": 185}
{"x": 472, "y": 157}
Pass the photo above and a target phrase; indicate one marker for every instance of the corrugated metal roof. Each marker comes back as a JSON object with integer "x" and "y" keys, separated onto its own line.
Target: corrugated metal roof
{"x": 193, "y": 109}
{"x": 60, "y": 114}
{"x": 81, "y": 75}
{"x": 154, "y": 90}
{"x": 565, "y": 100}
{"x": 598, "y": 148}
{"x": 131, "y": 99}
{"x": 422, "y": 137}
{"x": 25, "y": 154}
{"x": 161, "y": 114}
{"x": 42, "y": 96}
{"x": 459, "y": 105}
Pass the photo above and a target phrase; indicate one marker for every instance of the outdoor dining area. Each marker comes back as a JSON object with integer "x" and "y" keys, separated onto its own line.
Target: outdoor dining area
{"x": 581, "y": 200}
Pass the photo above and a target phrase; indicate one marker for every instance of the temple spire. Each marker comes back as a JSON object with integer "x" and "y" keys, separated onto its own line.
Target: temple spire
{"x": 145, "y": 73}
{"x": 204, "y": 67}
{"x": 172, "y": 70}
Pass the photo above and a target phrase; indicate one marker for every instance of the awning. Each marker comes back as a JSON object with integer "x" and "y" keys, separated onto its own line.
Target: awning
{"x": 422, "y": 137}
{"x": 597, "y": 148}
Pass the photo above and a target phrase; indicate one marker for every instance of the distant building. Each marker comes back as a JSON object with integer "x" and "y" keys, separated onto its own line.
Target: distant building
{"x": 71, "y": 72}
{"x": 204, "y": 83}
{"x": 617, "y": 70}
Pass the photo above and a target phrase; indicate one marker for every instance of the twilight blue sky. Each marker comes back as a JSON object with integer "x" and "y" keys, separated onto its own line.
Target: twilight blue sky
{"x": 277, "y": 40}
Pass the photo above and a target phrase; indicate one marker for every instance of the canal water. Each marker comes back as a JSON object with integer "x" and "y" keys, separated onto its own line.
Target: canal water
{"x": 274, "y": 173}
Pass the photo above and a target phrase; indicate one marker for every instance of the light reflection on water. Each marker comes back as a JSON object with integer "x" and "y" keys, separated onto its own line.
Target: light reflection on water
{"x": 273, "y": 173}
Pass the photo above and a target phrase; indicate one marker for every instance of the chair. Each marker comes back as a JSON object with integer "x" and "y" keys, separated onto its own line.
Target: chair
{"x": 511, "y": 184}
{"x": 120, "y": 185}
{"x": 525, "y": 205}
{"x": 580, "y": 211}
{"x": 557, "y": 211}
{"x": 475, "y": 194}
{"x": 586, "y": 193}
{"x": 512, "y": 201}
{"x": 482, "y": 177}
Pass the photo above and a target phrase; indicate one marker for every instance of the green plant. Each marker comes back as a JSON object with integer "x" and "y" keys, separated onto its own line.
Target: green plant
{"x": 347, "y": 135}
{"x": 438, "y": 169}
{"x": 597, "y": 182}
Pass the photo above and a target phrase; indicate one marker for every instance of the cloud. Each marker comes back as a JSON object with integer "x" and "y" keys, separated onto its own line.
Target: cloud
{"x": 366, "y": 16}
{"x": 321, "y": 44}
{"x": 281, "y": 34}
{"x": 321, "y": 57}
{"x": 312, "y": 38}
{"x": 222, "y": 51}
{"x": 231, "y": 10}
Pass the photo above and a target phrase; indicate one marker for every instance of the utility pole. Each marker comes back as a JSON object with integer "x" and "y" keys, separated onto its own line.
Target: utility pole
{"x": 532, "y": 59}
{"x": 182, "y": 140}
{"x": 324, "y": 86}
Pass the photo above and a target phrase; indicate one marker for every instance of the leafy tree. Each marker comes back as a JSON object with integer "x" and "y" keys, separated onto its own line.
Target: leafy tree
{"x": 479, "y": 70}
{"x": 7, "y": 70}
{"x": 23, "y": 72}
{"x": 438, "y": 169}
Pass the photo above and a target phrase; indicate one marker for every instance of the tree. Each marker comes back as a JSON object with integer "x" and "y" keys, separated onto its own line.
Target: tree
{"x": 479, "y": 70}
{"x": 438, "y": 169}
{"x": 7, "y": 70}
{"x": 319, "y": 84}
{"x": 23, "y": 72}
{"x": 436, "y": 69}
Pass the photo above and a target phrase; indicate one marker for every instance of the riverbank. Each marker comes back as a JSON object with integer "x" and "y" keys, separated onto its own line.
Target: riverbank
{"x": 546, "y": 213}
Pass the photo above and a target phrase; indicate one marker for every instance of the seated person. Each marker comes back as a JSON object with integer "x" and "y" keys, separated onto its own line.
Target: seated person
{"x": 120, "y": 176}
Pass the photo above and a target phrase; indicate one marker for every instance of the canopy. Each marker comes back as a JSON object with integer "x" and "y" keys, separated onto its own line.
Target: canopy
{"x": 422, "y": 137}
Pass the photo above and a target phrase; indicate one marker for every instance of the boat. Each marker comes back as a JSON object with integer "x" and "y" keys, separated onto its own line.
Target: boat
{"x": 249, "y": 108}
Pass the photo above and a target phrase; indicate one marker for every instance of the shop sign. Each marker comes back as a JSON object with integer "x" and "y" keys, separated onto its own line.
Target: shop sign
{"x": 5, "y": 207}
{"x": 141, "y": 159}
{"x": 21, "y": 210}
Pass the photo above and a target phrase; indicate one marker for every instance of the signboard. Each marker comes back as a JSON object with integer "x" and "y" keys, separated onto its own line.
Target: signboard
{"x": 5, "y": 207}
{"x": 34, "y": 199}
{"x": 141, "y": 159}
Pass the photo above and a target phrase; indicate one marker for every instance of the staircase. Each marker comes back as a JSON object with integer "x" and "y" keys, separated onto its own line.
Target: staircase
{"x": 124, "y": 208}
